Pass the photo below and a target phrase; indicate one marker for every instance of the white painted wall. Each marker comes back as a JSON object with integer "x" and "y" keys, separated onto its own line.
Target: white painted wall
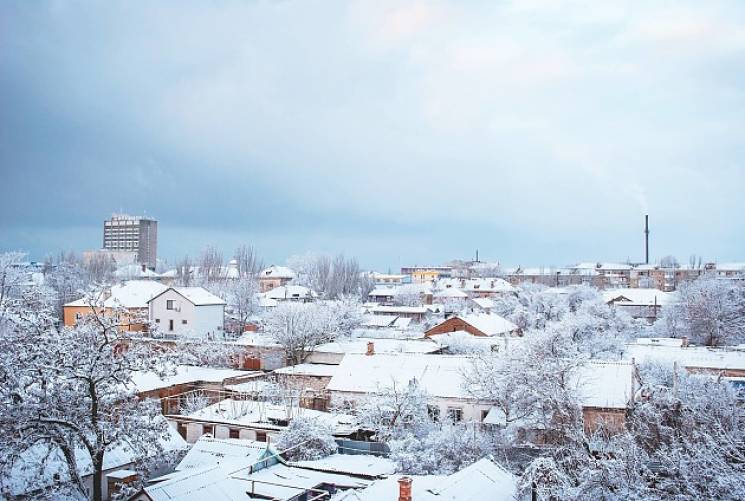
{"x": 201, "y": 321}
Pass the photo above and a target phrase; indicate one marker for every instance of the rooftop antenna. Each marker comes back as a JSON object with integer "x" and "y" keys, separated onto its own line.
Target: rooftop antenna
{"x": 646, "y": 238}
{"x": 477, "y": 256}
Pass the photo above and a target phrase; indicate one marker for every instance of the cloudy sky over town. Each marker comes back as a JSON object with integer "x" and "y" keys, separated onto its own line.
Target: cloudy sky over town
{"x": 396, "y": 132}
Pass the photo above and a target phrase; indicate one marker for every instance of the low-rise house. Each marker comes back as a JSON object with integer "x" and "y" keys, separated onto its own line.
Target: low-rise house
{"x": 188, "y": 312}
{"x": 127, "y": 301}
{"x": 274, "y": 276}
{"x": 640, "y": 303}
{"x": 239, "y": 417}
{"x": 259, "y": 351}
{"x": 382, "y": 295}
{"x": 387, "y": 278}
{"x": 306, "y": 376}
{"x": 725, "y": 361}
{"x": 476, "y": 324}
{"x": 415, "y": 313}
{"x": 174, "y": 389}
{"x": 440, "y": 376}
{"x": 216, "y": 469}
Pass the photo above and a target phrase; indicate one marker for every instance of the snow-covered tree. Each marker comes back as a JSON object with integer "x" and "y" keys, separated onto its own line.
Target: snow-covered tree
{"x": 305, "y": 439}
{"x": 331, "y": 278}
{"x": 397, "y": 411}
{"x": 444, "y": 450}
{"x": 299, "y": 328}
{"x": 241, "y": 296}
{"x": 710, "y": 312}
{"x": 72, "y": 390}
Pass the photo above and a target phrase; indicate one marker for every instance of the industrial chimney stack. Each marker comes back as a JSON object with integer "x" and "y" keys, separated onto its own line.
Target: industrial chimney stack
{"x": 646, "y": 238}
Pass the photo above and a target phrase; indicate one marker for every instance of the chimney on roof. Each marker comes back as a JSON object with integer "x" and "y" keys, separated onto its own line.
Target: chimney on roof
{"x": 404, "y": 489}
{"x": 646, "y": 239}
{"x": 370, "y": 348}
{"x": 684, "y": 342}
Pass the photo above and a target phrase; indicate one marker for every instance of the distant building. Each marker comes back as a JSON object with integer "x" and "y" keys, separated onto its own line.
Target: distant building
{"x": 423, "y": 274}
{"x": 275, "y": 276}
{"x": 123, "y": 233}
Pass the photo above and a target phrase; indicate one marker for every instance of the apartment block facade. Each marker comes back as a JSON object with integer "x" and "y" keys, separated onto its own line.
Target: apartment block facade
{"x": 132, "y": 234}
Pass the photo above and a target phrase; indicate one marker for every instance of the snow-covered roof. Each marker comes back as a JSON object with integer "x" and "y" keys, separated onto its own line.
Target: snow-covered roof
{"x": 488, "y": 285}
{"x": 319, "y": 370}
{"x": 490, "y": 324}
{"x": 639, "y": 297}
{"x": 250, "y": 412}
{"x": 282, "y": 482}
{"x": 695, "y": 357}
{"x": 356, "y": 464}
{"x": 290, "y": 292}
{"x": 484, "y": 302}
{"x": 249, "y": 338}
{"x": 148, "y": 381}
{"x": 607, "y": 385}
{"x": 198, "y": 296}
{"x": 133, "y": 294}
{"x": 277, "y": 272}
{"x": 234, "y": 453}
{"x": 134, "y": 271}
{"x": 420, "y": 310}
{"x": 382, "y": 292}
{"x": 26, "y": 476}
{"x": 451, "y": 293}
{"x": 359, "y": 346}
{"x": 439, "y": 375}
{"x": 483, "y": 480}
{"x": 378, "y": 320}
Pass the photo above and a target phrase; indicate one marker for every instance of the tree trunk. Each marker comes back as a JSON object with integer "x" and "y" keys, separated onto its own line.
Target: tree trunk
{"x": 97, "y": 460}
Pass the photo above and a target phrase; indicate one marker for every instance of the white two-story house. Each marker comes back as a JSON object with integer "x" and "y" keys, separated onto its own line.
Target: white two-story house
{"x": 187, "y": 312}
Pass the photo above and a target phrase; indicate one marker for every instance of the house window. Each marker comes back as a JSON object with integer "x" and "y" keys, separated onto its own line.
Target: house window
{"x": 157, "y": 320}
{"x": 170, "y": 304}
{"x": 234, "y": 433}
{"x": 170, "y": 325}
{"x": 208, "y": 428}
{"x": 434, "y": 412}
{"x": 183, "y": 322}
{"x": 261, "y": 436}
{"x": 455, "y": 414}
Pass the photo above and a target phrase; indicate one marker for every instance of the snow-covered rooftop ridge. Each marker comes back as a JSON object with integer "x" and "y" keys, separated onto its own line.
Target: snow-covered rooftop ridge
{"x": 198, "y": 296}
{"x": 275, "y": 271}
{"x": 483, "y": 480}
{"x": 490, "y": 324}
{"x": 134, "y": 294}
{"x": 438, "y": 375}
{"x": 474, "y": 481}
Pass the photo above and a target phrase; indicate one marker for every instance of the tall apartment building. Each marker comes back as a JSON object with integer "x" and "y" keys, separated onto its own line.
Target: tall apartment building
{"x": 132, "y": 234}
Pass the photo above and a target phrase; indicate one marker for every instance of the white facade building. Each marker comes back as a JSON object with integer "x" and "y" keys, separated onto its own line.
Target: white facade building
{"x": 187, "y": 312}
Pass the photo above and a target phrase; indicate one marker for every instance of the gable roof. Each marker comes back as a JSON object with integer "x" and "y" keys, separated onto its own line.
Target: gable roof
{"x": 277, "y": 272}
{"x": 198, "y": 296}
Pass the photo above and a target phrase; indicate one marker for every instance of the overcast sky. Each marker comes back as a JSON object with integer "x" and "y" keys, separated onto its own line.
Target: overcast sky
{"x": 538, "y": 132}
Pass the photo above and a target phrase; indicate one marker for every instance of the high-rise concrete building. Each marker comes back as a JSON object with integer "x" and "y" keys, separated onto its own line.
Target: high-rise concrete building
{"x": 132, "y": 234}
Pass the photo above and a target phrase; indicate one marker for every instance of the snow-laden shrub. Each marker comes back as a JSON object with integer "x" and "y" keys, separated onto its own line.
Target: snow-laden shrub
{"x": 306, "y": 439}
{"x": 443, "y": 451}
